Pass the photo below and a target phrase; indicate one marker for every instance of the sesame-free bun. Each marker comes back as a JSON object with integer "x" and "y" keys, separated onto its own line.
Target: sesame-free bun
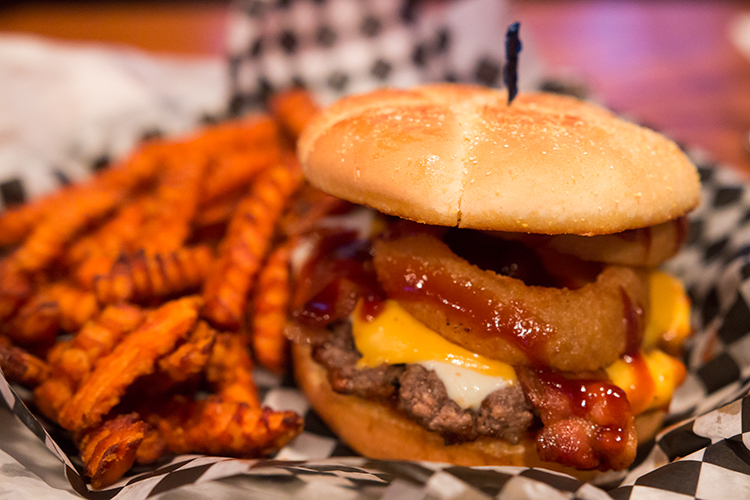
{"x": 458, "y": 155}
{"x": 377, "y": 430}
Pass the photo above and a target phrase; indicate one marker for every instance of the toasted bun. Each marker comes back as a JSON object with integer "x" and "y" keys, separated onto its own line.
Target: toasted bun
{"x": 376, "y": 430}
{"x": 458, "y": 155}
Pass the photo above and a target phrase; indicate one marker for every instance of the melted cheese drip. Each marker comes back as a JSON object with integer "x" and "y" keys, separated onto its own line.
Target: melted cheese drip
{"x": 665, "y": 371}
{"x": 669, "y": 314}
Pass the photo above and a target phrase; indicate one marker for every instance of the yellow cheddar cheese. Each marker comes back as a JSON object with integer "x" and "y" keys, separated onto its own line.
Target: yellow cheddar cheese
{"x": 394, "y": 337}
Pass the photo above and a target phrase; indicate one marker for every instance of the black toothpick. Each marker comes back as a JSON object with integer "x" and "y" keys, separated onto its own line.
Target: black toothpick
{"x": 510, "y": 70}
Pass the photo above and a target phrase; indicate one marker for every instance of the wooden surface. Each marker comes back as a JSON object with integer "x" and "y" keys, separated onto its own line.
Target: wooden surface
{"x": 667, "y": 63}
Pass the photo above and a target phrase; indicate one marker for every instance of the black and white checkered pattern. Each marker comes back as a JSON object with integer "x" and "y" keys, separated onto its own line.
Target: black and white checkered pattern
{"x": 339, "y": 47}
{"x": 336, "y": 47}
{"x": 705, "y": 456}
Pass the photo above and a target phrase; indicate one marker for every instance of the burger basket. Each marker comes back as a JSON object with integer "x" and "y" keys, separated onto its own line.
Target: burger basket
{"x": 703, "y": 452}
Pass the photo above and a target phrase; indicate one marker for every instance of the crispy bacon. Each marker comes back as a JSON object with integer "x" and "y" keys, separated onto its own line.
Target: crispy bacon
{"x": 588, "y": 423}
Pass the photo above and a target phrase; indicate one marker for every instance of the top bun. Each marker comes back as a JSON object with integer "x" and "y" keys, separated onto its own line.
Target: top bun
{"x": 458, "y": 155}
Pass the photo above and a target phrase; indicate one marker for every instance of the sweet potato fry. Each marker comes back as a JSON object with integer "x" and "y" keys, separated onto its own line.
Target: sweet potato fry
{"x": 223, "y": 428}
{"x": 293, "y": 109}
{"x": 140, "y": 167}
{"x": 141, "y": 277}
{"x": 176, "y": 201}
{"x": 246, "y": 242}
{"x": 108, "y": 451}
{"x": 135, "y": 356}
{"x": 36, "y": 323}
{"x": 15, "y": 288}
{"x": 48, "y": 238}
{"x": 152, "y": 447}
{"x": 230, "y": 370}
{"x": 115, "y": 236}
{"x": 20, "y": 366}
{"x": 71, "y": 362}
{"x": 270, "y": 311}
{"x": 191, "y": 357}
{"x": 76, "y": 306}
{"x": 236, "y": 169}
{"x": 246, "y": 134}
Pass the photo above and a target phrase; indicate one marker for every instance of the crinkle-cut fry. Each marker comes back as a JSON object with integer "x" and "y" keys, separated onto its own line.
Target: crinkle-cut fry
{"x": 218, "y": 427}
{"x": 191, "y": 357}
{"x": 251, "y": 132}
{"x": 15, "y": 288}
{"x": 217, "y": 212}
{"x": 72, "y": 361}
{"x": 35, "y": 324}
{"x": 20, "y": 366}
{"x": 230, "y": 370}
{"x": 177, "y": 201}
{"x": 114, "y": 236}
{"x": 76, "y": 306}
{"x": 135, "y": 356}
{"x": 293, "y": 109}
{"x": 247, "y": 240}
{"x": 109, "y": 450}
{"x": 237, "y": 168}
{"x": 141, "y": 277}
{"x": 270, "y": 311}
{"x": 48, "y": 238}
{"x": 18, "y": 223}
{"x": 152, "y": 447}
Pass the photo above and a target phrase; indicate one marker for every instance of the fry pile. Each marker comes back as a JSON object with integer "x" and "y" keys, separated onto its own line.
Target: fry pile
{"x": 124, "y": 296}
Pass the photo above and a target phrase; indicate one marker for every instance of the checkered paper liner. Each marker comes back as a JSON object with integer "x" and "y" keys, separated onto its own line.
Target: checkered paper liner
{"x": 336, "y": 47}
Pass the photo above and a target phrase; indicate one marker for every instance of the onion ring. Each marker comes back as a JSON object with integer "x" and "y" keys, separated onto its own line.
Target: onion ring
{"x": 647, "y": 246}
{"x": 503, "y": 318}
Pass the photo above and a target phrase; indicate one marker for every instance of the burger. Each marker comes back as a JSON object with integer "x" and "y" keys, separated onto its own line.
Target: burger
{"x": 489, "y": 291}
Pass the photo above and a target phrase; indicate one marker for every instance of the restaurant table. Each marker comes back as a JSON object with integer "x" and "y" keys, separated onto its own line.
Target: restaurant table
{"x": 669, "y": 64}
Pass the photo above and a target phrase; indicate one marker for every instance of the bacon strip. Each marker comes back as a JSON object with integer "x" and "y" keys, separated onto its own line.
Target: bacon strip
{"x": 588, "y": 424}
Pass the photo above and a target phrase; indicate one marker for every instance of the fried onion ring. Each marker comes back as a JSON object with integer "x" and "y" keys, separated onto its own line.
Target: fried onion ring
{"x": 647, "y": 246}
{"x": 503, "y": 318}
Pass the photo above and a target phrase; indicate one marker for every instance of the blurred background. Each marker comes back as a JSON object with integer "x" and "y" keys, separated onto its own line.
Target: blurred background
{"x": 681, "y": 67}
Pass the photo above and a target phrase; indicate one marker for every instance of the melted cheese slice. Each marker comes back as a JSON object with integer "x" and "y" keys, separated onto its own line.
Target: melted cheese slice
{"x": 395, "y": 337}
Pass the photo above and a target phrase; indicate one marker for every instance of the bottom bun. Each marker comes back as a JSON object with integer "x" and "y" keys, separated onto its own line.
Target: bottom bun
{"x": 376, "y": 430}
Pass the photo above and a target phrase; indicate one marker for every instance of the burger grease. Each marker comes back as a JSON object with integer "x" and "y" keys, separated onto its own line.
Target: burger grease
{"x": 508, "y": 309}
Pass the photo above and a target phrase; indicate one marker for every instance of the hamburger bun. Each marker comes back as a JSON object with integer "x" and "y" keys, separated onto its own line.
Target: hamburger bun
{"x": 377, "y": 430}
{"x": 458, "y": 155}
